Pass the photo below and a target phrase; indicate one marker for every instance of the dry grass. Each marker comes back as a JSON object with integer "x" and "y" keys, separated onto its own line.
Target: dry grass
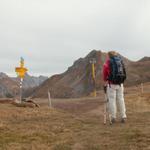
{"x": 75, "y": 125}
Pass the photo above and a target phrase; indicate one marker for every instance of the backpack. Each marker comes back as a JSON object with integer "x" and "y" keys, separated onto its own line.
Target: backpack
{"x": 117, "y": 70}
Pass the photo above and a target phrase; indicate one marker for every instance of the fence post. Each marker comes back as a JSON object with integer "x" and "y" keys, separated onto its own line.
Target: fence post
{"x": 142, "y": 89}
{"x": 49, "y": 99}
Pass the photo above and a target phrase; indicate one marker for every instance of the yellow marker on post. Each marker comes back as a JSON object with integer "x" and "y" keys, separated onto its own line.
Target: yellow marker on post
{"x": 93, "y": 62}
{"x": 93, "y": 71}
{"x": 21, "y": 73}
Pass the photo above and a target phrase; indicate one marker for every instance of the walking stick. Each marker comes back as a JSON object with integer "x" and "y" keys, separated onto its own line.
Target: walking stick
{"x": 106, "y": 111}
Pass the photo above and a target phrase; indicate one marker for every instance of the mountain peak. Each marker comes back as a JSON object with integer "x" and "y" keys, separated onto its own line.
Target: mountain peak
{"x": 3, "y": 75}
{"x": 145, "y": 59}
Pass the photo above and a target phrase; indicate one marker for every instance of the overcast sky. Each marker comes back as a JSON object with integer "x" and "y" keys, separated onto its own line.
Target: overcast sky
{"x": 52, "y": 34}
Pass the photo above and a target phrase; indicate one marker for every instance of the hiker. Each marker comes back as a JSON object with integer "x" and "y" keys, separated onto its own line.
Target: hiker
{"x": 114, "y": 75}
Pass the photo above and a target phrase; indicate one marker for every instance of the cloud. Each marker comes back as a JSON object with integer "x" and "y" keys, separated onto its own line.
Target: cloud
{"x": 50, "y": 35}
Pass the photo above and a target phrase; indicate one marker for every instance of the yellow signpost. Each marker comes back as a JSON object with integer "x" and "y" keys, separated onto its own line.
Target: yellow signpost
{"x": 93, "y": 62}
{"x": 21, "y": 73}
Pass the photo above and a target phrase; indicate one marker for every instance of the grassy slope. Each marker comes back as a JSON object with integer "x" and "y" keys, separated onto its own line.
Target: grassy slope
{"x": 76, "y": 125}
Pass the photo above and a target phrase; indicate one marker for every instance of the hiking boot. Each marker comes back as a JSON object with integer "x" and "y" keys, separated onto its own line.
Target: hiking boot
{"x": 113, "y": 120}
{"x": 123, "y": 120}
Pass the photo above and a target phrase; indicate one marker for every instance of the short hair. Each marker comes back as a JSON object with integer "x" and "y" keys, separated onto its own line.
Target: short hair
{"x": 112, "y": 53}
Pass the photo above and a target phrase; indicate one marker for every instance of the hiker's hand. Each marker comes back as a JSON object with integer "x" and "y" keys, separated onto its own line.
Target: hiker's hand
{"x": 105, "y": 88}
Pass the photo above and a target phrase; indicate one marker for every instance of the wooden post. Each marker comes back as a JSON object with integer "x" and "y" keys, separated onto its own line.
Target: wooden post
{"x": 49, "y": 99}
{"x": 142, "y": 89}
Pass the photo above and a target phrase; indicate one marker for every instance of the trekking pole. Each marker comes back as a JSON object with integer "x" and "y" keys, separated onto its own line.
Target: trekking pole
{"x": 106, "y": 111}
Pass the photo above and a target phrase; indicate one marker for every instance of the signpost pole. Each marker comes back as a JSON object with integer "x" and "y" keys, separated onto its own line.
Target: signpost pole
{"x": 21, "y": 81}
{"x": 21, "y": 73}
{"x": 93, "y": 62}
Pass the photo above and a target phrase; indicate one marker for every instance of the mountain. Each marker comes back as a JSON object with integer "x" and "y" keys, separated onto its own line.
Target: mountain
{"x": 145, "y": 59}
{"x": 31, "y": 81}
{"x": 9, "y": 87}
{"x": 77, "y": 80}
{"x": 139, "y": 71}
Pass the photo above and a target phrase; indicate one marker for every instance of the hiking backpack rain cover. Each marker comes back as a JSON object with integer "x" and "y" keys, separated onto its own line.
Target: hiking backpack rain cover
{"x": 117, "y": 70}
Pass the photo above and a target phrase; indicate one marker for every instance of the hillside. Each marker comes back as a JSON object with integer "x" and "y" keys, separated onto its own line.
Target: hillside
{"x": 138, "y": 72}
{"x": 9, "y": 87}
{"x": 76, "y": 124}
{"x": 31, "y": 81}
{"x": 77, "y": 81}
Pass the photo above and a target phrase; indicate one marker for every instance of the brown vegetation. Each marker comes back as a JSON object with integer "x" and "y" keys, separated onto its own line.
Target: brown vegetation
{"x": 76, "y": 124}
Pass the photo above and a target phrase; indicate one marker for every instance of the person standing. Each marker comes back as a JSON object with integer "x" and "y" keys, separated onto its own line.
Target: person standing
{"x": 114, "y": 75}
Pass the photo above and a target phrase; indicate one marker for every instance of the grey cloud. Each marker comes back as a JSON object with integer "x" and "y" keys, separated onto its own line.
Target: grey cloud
{"x": 50, "y": 35}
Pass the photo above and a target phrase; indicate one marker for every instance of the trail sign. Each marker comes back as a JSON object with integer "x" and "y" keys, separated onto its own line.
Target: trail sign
{"x": 21, "y": 73}
{"x": 21, "y": 70}
{"x": 93, "y": 62}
